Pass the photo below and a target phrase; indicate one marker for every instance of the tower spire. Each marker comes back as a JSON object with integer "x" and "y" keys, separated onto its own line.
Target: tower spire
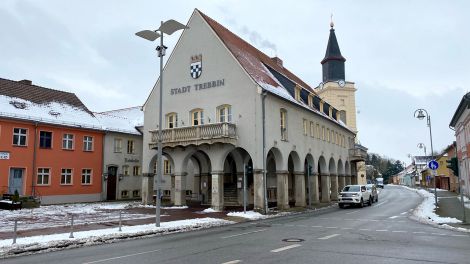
{"x": 333, "y": 63}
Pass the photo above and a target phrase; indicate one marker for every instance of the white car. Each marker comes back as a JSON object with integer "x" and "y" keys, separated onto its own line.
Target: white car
{"x": 355, "y": 195}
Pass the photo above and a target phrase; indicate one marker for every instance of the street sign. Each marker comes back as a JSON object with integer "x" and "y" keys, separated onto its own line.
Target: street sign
{"x": 4, "y": 155}
{"x": 433, "y": 165}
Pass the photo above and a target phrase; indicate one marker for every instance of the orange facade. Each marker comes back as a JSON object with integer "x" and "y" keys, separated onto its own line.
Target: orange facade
{"x": 66, "y": 161}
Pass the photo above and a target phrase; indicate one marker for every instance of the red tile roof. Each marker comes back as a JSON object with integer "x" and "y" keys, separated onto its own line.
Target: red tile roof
{"x": 251, "y": 58}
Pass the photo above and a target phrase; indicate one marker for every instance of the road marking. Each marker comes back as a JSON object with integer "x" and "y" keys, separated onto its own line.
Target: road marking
{"x": 393, "y": 217}
{"x": 353, "y": 212}
{"x": 381, "y": 230}
{"x": 328, "y": 237}
{"x": 419, "y": 232}
{"x": 438, "y": 234}
{"x": 285, "y": 248}
{"x": 331, "y": 227}
{"x": 247, "y": 233}
{"x": 404, "y": 213}
{"x": 301, "y": 225}
{"x": 124, "y": 256}
{"x": 364, "y": 229}
{"x": 379, "y": 203}
{"x": 459, "y": 235}
{"x": 318, "y": 226}
{"x": 346, "y": 228}
{"x": 233, "y": 262}
{"x": 399, "y": 231}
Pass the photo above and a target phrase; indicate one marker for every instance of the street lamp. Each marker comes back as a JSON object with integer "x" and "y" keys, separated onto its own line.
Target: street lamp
{"x": 421, "y": 146}
{"x": 169, "y": 27}
{"x": 421, "y": 114}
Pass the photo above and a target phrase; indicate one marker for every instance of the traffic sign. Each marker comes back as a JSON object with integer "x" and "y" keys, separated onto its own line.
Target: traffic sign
{"x": 433, "y": 165}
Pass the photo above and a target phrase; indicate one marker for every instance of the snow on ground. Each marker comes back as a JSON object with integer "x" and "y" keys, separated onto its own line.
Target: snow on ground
{"x": 98, "y": 236}
{"x": 59, "y": 215}
{"x": 249, "y": 214}
{"x": 425, "y": 212}
{"x": 175, "y": 207}
{"x": 466, "y": 201}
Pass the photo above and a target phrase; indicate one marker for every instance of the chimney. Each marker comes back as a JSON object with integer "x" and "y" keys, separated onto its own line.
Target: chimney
{"x": 27, "y": 82}
{"x": 278, "y": 61}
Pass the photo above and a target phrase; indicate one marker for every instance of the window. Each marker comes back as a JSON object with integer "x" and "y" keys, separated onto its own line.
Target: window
{"x": 166, "y": 192}
{"x": 125, "y": 170}
{"x": 66, "y": 177}
{"x": 136, "y": 193}
{"x": 19, "y": 136}
{"x": 124, "y": 194}
{"x": 166, "y": 167}
{"x": 171, "y": 120}
{"x": 87, "y": 143}
{"x": 45, "y": 139}
{"x": 117, "y": 145}
{"x": 43, "y": 176}
{"x": 323, "y": 133}
{"x": 86, "y": 176}
{"x": 189, "y": 192}
{"x": 283, "y": 124}
{"x": 312, "y": 129}
{"x": 224, "y": 114}
{"x": 130, "y": 147}
{"x": 305, "y": 127}
{"x": 310, "y": 100}
{"x": 328, "y": 135}
{"x": 342, "y": 116}
{"x": 297, "y": 93}
{"x": 67, "y": 141}
{"x": 337, "y": 138}
{"x": 136, "y": 171}
{"x": 318, "y": 131}
{"x": 197, "y": 117}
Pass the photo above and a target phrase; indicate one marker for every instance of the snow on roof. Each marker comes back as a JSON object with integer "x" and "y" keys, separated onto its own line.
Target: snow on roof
{"x": 122, "y": 120}
{"x": 59, "y": 113}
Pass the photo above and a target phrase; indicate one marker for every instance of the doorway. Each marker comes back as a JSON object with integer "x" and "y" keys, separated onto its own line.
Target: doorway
{"x": 16, "y": 181}
{"x": 111, "y": 183}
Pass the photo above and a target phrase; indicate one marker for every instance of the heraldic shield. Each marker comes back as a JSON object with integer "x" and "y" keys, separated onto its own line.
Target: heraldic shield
{"x": 196, "y": 66}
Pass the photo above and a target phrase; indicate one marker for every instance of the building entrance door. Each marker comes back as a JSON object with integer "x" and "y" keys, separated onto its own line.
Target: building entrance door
{"x": 111, "y": 184}
{"x": 16, "y": 181}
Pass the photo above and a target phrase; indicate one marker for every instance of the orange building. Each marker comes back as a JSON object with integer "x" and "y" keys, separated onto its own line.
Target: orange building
{"x": 51, "y": 145}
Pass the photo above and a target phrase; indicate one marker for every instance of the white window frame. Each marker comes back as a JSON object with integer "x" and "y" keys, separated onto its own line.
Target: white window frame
{"x": 87, "y": 175}
{"x": 41, "y": 173}
{"x": 171, "y": 120}
{"x": 117, "y": 145}
{"x": 87, "y": 143}
{"x": 19, "y": 136}
{"x": 199, "y": 119}
{"x": 130, "y": 146}
{"x": 68, "y": 141}
{"x": 224, "y": 113}
{"x": 125, "y": 170}
{"x": 136, "y": 170}
{"x": 66, "y": 176}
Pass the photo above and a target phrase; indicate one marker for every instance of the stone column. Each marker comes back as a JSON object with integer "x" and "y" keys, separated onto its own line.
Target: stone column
{"x": 282, "y": 190}
{"x": 205, "y": 188}
{"x": 334, "y": 187}
{"x": 325, "y": 187}
{"x": 173, "y": 189}
{"x": 300, "y": 197}
{"x": 180, "y": 188}
{"x": 314, "y": 188}
{"x": 147, "y": 188}
{"x": 217, "y": 190}
{"x": 347, "y": 179}
{"x": 258, "y": 186}
{"x": 341, "y": 182}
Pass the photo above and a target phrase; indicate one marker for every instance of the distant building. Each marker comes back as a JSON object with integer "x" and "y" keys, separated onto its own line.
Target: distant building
{"x": 461, "y": 124}
{"x": 50, "y": 144}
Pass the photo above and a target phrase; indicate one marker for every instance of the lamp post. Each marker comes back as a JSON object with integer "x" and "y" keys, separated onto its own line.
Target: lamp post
{"x": 421, "y": 146}
{"x": 168, "y": 27}
{"x": 421, "y": 114}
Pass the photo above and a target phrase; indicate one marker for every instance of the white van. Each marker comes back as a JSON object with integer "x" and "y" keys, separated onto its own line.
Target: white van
{"x": 380, "y": 182}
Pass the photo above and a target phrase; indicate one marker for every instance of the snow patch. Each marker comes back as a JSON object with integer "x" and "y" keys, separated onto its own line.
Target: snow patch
{"x": 249, "y": 215}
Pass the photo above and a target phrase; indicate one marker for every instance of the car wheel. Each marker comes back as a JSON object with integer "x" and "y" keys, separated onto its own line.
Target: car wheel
{"x": 377, "y": 199}
{"x": 370, "y": 201}
{"x": 341, "y": 205}
{"x": 361, "y": 204}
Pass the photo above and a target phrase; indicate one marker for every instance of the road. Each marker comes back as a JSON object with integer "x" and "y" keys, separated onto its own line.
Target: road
{"x": 381, "y": 233}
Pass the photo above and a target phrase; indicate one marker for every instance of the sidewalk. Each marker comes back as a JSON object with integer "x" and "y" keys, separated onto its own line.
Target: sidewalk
{"x": 449, "y": 205}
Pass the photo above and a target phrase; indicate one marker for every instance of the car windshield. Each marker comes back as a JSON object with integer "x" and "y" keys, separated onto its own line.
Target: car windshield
{"x": 369, "y": 188}
{"x": 354, "y": 188}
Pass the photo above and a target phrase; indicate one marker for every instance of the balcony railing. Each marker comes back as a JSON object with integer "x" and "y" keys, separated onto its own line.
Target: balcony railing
{"x": 358, "y": 153}
{"x": 196, "y": 135}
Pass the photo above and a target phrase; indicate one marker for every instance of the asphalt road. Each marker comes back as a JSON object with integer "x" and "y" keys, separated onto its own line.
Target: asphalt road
{"x": 382, "y": 233}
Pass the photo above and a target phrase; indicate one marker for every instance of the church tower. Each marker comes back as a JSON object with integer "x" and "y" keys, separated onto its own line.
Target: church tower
{"x": 334, "y": 88}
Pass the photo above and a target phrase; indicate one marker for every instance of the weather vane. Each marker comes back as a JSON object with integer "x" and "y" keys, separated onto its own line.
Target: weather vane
{"x": 331, "y": 21}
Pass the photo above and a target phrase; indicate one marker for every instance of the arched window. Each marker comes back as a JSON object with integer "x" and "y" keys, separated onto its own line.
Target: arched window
{"x": 342, "y": 116}
{"x": 197, "y": 117}
{"x": 171, "y": 120}
{"x": 224, "y": 113}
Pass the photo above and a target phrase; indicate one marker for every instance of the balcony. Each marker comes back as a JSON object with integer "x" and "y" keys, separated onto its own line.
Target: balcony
{"x": 196, "y": 135}
{"x": 358, "y": 153}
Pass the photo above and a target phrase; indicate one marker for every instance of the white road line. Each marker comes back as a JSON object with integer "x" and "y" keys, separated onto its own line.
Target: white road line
{"x": 233, "y": 262}
{"x": 364, "y": 229}
{"x": 328, "y": 237}
{"x": 393, "y": 217}
{"x": 331, "y": 227}
{"x": 301, "y": 225}
{"x": 419, "y": 232}
{"x": 353, "y": 212}
{"x": 399, "y": 231}
{"x": 247, "y": 233}
{"x": 438, "y": 234}
{"x": 404, "y": 213}
{"x": 346, "y": 228}
{"x": 318, "y": 226}
{"x": 381, "y": 230}
{"x": 459, "y": 235}
{"x": 285, "y": 248}
{"x": 379, "y": 204}
{"x": 124, "y": 256}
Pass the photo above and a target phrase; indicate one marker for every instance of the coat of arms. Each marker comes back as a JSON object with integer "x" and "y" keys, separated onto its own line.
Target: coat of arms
{"x": 196, "y": 66}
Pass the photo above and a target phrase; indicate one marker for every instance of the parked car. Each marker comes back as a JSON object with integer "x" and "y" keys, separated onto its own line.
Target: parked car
{"x": 380, "y": 182}
{"x": 373, "y": 190}
{"x": 355, "y": 195}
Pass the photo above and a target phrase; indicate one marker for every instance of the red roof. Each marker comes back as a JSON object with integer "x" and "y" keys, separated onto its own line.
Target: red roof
{"x": 251, "y": 58}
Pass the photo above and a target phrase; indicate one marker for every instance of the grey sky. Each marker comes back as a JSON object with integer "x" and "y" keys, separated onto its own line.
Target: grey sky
{"x": 403, "y": 55}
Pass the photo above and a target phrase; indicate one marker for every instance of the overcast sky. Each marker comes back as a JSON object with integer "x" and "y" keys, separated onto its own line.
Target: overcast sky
{"x": 402, "y": 55}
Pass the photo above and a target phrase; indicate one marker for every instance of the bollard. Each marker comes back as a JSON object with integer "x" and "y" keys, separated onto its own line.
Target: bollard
{"x": 71, "y": 227}
{"x": 14, "y": 231}
{"x": 120, "y": 220}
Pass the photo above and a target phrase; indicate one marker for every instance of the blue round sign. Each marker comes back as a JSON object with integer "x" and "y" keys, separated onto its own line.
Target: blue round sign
{"x": 433, "y": 165}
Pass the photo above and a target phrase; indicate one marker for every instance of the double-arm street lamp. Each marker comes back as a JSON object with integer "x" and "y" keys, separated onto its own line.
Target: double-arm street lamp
{"x": 421, "y": 114}
{"x": 169, "y": 27}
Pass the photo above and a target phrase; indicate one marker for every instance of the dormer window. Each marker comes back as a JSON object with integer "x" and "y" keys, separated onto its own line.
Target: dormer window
{"x": 310, "y": 100}
{"x": 19, "y": 105}
{"x": 297, "y": 93}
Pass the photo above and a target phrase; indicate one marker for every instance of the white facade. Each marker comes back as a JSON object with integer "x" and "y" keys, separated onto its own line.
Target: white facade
{"x": 210, "y": 153}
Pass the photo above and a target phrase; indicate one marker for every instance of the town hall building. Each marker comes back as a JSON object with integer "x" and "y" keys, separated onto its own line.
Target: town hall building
{"x": 229, "y": 110}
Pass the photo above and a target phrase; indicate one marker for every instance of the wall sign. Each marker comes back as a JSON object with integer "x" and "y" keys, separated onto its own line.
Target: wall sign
{"x": 4, "y": 155}
{"x": 197, "y": 87}
{"x": 131, "y": 160}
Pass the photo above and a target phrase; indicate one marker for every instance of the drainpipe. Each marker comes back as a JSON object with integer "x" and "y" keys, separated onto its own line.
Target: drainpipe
{"x": 33, "y": 190}
{"x": 103, "y": 186}
{"x": 265, "y": 184}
